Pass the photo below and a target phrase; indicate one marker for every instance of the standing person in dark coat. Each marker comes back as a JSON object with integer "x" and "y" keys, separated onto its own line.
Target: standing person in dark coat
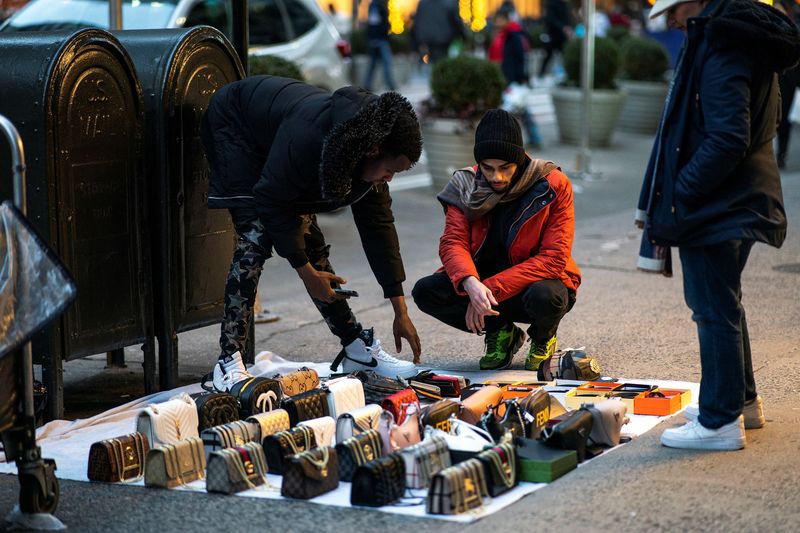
{"x": 378, "y": 43}
{"x": 280, "y": 151}
{"x": 712, "y": 189}
{"x": 436, "y": 25}
{"x": 509, "y": 48}
{"x": 558, "y": 25}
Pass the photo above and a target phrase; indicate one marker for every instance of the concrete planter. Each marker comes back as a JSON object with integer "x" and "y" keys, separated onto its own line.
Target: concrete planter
{"x": 642, "y": 110}
{"x": 448, "y": 147}
{"x": 606, "y": 108}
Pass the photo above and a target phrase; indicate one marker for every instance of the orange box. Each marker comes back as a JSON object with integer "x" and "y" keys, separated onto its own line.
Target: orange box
{"x": 591, "y": 392}
{"x": 653, "y": 403}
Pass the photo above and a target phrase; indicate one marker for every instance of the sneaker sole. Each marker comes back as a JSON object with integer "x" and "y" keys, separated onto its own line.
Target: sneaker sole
{"x": 705, "y": 444}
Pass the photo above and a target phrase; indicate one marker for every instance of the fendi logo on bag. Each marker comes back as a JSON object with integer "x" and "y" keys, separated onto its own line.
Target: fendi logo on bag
{"x": 542, "y": 417}
{"x": 264, "y": 401}
{"x": 444, "y": 425}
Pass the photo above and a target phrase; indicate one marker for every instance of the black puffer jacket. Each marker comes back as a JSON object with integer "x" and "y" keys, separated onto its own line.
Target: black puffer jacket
{"x": 288, "y": 149}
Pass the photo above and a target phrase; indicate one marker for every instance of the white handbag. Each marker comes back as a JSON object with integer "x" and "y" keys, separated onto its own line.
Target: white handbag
{"x": 169, "y": 422}
{"x": 425, "y": 459}
{"x": 357, "y": 421}
{"x": 324, "y": 430}
{"x": 271, "y": 422}
{"x": 344, "y": 395}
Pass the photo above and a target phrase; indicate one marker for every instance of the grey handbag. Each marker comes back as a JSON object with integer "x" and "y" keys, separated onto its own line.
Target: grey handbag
{"x": 236, "y": 469}
{"x": 457, "y": 489}
{"x": 172, "y": 465}
{"x": 357, "y": 421}
{"x": 424, "y": 460}
{"x": 608, "y": 418}
{"x": 229, "y": 435}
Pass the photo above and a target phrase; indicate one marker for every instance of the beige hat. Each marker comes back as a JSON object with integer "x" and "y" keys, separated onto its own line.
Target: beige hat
{"x": 661, "y": 6}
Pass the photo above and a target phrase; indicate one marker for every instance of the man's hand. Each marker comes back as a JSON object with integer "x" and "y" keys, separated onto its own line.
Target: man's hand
{"x": 481, "y": 301}
{"x": 403, "y": 328}
{"x": 318, "y": 283}
{"x": 475, "y": 318}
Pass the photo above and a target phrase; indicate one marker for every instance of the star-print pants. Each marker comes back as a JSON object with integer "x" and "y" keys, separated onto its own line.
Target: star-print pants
{"x": 253, "y": 247}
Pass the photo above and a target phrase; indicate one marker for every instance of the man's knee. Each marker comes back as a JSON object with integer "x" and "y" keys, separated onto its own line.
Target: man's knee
{"x": 421, "y": 293}
{"x": 547, "y": 297}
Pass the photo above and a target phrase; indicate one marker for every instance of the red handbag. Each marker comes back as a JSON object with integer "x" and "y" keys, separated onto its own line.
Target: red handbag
{"x": 398, "y": 403}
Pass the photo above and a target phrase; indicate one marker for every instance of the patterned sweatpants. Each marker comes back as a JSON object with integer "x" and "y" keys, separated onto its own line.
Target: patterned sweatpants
{"x": 253, "y": 247}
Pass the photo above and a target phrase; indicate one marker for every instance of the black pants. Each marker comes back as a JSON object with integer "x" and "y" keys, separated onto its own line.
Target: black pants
{"x": 253, "y": 247}
{"x": 542, "y": 305}
{"x": 788, "y": 82}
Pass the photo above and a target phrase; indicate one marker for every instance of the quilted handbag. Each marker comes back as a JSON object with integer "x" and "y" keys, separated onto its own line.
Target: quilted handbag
{"x": 324, "y": 430}
{"x": 500, "y": 463}
{"x": 306, "y": 405}
{"x": 478, "y": 403}
{"x": 394, "y": 436}
{"x": 570, "y": 433}
{"x": 379, "y": 482}
{"x": 458, "y": 489}
{"x": 398, "y": 402}
{"x": 357, "y": 451}
{"x": 168, "y": 422}
{"x": 118, "y": 459}
{"x": 512, "y": 421}
{"x": 270, "y": 422}
{"x": 236, "y": 469}
{"x": 171, "y": 465}
{"x": 537, "y": 408}
{"x": 377, "y": 387}
{"x": 229, "y": 435}
{"x": 280, "y": 446}
{"x": 357, "y": 421}
{"x": 608, "y": 417}
{"x": 215, "y": 409}
{"x": 344, "y": 395}
{"x": 569, "y": 364}
{"x": 438, "y": 414}
{"x": 424, "y": 460}
{"x": 301, "y": 380}
{"x": 257, "y": 395}
{"x": 311, "y": 473}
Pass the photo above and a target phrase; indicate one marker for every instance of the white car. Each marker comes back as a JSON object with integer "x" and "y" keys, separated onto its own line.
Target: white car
{"x": 297, "y": 30}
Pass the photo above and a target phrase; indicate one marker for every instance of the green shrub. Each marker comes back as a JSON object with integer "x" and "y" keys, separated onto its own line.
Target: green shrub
{"x": 606, "y": 62}
{"x": 465, "y": 87}
{"x": 400, "y": 43}
{"x": 618, "y": 34}
{"x": 643, "y": 59}
{"x": 275, "y": 66}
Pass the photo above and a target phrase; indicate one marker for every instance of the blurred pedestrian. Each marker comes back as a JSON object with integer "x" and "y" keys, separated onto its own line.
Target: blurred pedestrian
{"x": 559, "y": 28}
{"x": 378, "y": 43}
{"x": 712, "y": 189}
{"x": 789, "y": 81}
{"x": 436, "y": 25}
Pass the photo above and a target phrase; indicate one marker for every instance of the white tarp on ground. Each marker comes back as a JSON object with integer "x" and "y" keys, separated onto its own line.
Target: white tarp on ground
{"x": 68, "y": 442}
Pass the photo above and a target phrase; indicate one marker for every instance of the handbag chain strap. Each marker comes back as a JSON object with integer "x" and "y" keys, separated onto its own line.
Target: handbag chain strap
{"x": 119, "y": 455}
{"x": 506, "y": 470}
{"x": 322, "y": 463}
{"x": 307, "y": 434}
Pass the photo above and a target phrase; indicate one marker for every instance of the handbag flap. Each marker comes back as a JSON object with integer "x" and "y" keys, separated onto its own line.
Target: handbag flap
{"x": 479, "y": 402}
{"x": 271, "y": 422}
{"x": 234, "y": 433}
{"x": 171, "y": 421}
{"x": 367, "y": 417}
{"x": 608, "y": 419}
{"x": 365, "y": 447}
{"x": 345, "y": 395}
{"x": 296, "y": 440}
{"x": 301, "y": 380}
{"x": 398, "y": 403}
{"x": 502, "y": 463}
{"x": 437, "y": 414}
{"x": 406, "y": 434}
{"x": 183, "y": 459}
{"x": 317, "y": 464}
{"x": 324, "y": 429}
{"x": 308, "y": 405}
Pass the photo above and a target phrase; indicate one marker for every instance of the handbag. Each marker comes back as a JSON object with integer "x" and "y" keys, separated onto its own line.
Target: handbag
{"x": 282, "y": 445}
{"x": 311, "y": 473}
{"x": 344, "y": 395}
{"x": 257, "y": 395}
{"x": 215, "y": 409}
{"x": 424, "y": 460}
{"x": 236, "y": 469}
{"x": 398, "y": 402}
{"x": 569, "y": 364}
{"x": 396, "y": 437}
{"x": 230, "y": 435}
{"x": 169, "y": 422}
{"x": 301, "y": 380}
{"x": 357, "y": 451}
{"x": 438, "y": 414}
{"x": 478, "y": 403}
{"x": 324, "y": 430}
{"x": 271, "y": 422}
{"x": 608, "y": 417}
{"x": 357, "y": 421}
{"x": 570, "y": 433}
{"x": 377, "y": 387}
{"x": 538, "y": 407}
{"x": 379, "y": 482}
{"x": 171, "y": 465}
{"x": 118, "y": 459}
{"x": 500, "y": 463}
{"x": 512, "y": 421}
{"x": 464, "y": 440}
{"x": 305, "y": 406}
{"x": 457, "y": 489}
{"x": 438, "y": 385}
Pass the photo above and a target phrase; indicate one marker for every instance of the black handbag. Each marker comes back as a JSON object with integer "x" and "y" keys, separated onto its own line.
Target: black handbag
{"x": 570, "y": 364}
{"x": 306, "y": 406}
{"x": 358, "y": 450}
{"x": 282, "y": 445}
{"x": 437, "y": 414}
{"x": 536, "y": 412}
{"x": 570, "y": 433}
{"x": 257, "y": 395}
{"x": 500, "y": 464}
{"x": 379, "y": 482}
{"x": 512, "y": 421}
{"x": 310, "y": 474}
{"x": 377, "y": 387}
{"x": 215, "y": 409}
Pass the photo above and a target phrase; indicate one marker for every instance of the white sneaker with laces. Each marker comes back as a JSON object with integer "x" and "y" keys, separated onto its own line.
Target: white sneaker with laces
{"x": 229, "y": 373}
{"x": 365, "y": 353}
{"x": 753, "y": 413}
{"x": 694, "y": 436}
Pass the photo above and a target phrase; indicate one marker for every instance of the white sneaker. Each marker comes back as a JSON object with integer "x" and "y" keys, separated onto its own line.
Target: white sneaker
{"x": 693, "y": 436}
{"x": 265, "y": 316}
{"x": 365, "y": 353}
{"x": 229, "y": 373}
{"x": 753, "y": 413}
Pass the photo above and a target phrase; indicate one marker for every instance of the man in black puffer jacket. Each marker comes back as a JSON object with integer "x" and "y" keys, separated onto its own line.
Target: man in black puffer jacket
{"x": 280, "y": 151}
{"x": 712, "y": 189}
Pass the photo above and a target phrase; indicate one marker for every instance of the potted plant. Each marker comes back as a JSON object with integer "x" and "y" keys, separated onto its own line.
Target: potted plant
{"x": 275, "y": 66}
{"x": 606, "y": 98}
{"x": 643, "y": 68}
{"x": 463, "y": 88}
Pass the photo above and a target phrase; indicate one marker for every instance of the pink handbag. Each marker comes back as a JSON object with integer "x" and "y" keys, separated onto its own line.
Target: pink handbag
{"x": 396, "y": 437}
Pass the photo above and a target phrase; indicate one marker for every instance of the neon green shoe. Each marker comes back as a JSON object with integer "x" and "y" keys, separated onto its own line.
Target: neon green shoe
{"x": 539, "y": 353}
{"x": 501, "y": 347}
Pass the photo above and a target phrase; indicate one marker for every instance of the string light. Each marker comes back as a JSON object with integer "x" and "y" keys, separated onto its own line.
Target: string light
{"x": 478, "y": 15}
{"x": 396, "y": 22}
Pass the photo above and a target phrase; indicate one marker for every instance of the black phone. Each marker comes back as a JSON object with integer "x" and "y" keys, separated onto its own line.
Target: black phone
{"x": 345, "y": 292}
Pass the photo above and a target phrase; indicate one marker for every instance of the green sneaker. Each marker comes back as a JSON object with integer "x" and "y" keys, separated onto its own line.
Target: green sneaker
{"x": 540, "y": 353}
{"x": 501, "y": 347}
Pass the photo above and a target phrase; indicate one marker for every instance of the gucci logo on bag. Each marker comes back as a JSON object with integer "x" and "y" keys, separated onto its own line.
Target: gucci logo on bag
{"x": 264, "y": 401}
{"x": 368, "y": 453}
{"x": 249, "y": 468}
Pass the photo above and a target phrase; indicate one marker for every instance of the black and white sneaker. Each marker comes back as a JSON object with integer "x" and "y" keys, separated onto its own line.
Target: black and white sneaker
{"x": 365, "y": 353}
{"x": 228, "y": 372}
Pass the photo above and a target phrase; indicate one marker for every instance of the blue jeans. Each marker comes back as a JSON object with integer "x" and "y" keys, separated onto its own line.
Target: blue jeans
{"x": 712, "y": 288}
{"x": 380, "y": 51}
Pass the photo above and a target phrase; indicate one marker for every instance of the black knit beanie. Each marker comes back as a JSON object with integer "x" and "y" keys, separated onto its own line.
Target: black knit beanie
{"x": 499, "y": 137}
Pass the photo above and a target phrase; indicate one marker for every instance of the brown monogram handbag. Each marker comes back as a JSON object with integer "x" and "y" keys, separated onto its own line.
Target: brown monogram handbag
{"x": 118, "y": 459}
{"x": 311, "y": 473}
{"x": 301, "y": 380}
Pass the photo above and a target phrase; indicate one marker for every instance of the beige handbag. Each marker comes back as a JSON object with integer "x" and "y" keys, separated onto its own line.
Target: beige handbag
{"x": 458, "y": 489}
{"x": 357, "y": 421}
{"x": 324, "y": 430}
{"x": 172, "y": 465}
{"x": 344, "y": 395}
{"x": 396, "y": 437}
{"x": 169, "y": 422}
{"x": 271, "y": 422}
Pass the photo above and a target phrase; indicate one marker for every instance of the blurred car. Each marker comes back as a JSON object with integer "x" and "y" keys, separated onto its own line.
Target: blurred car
{"x": 297, "y": 30}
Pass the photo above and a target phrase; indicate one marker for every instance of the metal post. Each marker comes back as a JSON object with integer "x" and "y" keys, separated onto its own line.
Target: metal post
{"x": 353, "y": 29}
{"x": 114, "y": 14}
{"x": 241, "y": 32}
{"x": 587, "y": 82}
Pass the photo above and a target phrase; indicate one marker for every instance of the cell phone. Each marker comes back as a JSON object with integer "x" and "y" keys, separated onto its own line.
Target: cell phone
{"x": 345, "y": 292}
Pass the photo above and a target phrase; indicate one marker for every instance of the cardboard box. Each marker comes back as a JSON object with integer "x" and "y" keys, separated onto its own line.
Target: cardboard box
{"x": 538, "y": 463}
{"x": 590, "y": 392}
{"x": 653, "y": 403}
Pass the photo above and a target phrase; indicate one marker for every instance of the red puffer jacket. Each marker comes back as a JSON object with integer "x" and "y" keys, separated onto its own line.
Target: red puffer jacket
{"x": 541, "y": 246}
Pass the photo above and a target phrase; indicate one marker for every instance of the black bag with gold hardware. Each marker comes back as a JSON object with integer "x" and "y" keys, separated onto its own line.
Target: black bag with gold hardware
{"x": 311, "y": 473}
{"x": 356, "y": 451}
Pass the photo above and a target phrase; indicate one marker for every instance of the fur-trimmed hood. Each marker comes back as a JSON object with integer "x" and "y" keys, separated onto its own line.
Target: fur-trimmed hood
{"x": 757, "y": 29}
{"x": 348, "y": 142}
